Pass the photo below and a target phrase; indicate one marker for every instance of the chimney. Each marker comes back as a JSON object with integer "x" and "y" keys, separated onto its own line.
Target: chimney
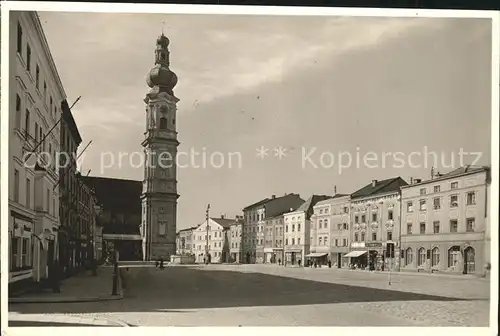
{"x": 432, "y": 173}
{"x": 334, "y": 190}
{"x": 222, "y": 216}
{"x": 411, "y": 180}
{"x": 273, "y": 196}
{"x": 417, "y": 181}
{"x": 374, "y": 182}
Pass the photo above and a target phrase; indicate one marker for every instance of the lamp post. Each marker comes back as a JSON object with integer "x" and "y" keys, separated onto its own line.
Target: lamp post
{"x": 115, "y": 272}
{"x": 97, "y": 212}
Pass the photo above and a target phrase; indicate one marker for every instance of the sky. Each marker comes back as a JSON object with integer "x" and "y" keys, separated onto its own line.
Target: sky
{"x": 319, "y": 88}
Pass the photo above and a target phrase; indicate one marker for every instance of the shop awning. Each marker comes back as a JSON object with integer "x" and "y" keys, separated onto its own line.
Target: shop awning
{"x": 316, "y": 255}
{"x": 354, "y": 254}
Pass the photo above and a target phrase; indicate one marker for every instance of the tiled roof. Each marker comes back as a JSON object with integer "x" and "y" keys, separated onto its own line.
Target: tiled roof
{"x": 116, "y": 195}
{"x": 257, "y": 204}
{"x": 224, "y": 222}
{"x": 463, "y": 170}
{"x": 308, "y": 205}
{"x": 380, "y": 187}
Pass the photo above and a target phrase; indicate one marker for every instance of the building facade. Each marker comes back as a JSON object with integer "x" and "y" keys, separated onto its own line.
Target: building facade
{"x": 330, "y": 230}
{"x": 273, "y": 249}
{"x": 119, "y": 217}
{"x": 68, "y": 234}
{"x": 35, "y": 93}
{"x": 211, "y": 240}
{"x": 297, "y": 224}
{"x": 444, "y": 222}
{"x": 375, "y": 221}
{"x": 255, "y": 221}
{"x": 159, "y": 194}
{"x": 184, "y": 242}
{"x": 235, "y": 234}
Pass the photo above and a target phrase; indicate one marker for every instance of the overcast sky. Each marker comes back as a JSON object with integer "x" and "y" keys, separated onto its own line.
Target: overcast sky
{"x": 330, "y": 83}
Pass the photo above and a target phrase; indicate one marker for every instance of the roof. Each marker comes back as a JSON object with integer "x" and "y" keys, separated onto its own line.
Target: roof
{"x": 308, "y": 205}
{"x": 381, "y": 187}
{"x": 464, "y": 170}
{"x": 188, "y": 229}
{"x": 261, "y": 202}
{"x": 327, "y": 201}
{"x": 70, "y": 122}
{"x": 116, "y": 195}
{"x": 224, "y": 222}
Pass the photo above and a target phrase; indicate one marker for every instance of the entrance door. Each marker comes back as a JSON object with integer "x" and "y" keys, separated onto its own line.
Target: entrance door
{"x": 469, "y": 260}
{"x": 339, "y": 260}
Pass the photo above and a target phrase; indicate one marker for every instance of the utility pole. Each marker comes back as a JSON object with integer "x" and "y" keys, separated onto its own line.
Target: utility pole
{"x": 206, "y": 237}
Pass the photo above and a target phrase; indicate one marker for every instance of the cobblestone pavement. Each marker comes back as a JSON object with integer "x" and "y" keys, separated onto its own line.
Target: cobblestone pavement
{"x": 249, "y": 295}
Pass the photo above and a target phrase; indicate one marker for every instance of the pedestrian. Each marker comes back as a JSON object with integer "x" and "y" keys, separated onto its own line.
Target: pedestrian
{"x": 299, "y": 262}
{"x": 162, "y": 266}
{"x": 157, "y": 263}
{"x": 279, "y": 262}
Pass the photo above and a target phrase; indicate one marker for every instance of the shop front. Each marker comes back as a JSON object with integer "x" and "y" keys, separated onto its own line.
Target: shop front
{"x": 317, "y": 259}
{"x": 293, "y": 257}
{"x": 269, "y": 257}
{"x": 20, "y": 248}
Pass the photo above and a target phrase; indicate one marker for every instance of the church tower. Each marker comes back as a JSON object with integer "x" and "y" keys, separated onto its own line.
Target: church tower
{"x": 159, "y": 193}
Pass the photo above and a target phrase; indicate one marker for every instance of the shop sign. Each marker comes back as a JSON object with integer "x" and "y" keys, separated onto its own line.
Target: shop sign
{"x": 373, "y": 244}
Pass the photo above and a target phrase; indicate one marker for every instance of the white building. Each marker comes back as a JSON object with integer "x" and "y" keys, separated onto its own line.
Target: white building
{"x": 297, "y": 231}
{"x": 214, "y": 237}
{"x": 35, "y": 95}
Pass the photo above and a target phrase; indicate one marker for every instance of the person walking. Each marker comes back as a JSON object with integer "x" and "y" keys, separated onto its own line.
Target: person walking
{"x": 162, "y": 266}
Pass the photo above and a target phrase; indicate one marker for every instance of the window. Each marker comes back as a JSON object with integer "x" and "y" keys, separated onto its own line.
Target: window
{"x": 453, "y": 225}
{"x": 435, "y": 257}
{"x": 453, "y": 201}
{"x": 293, "y": 227}
{"x": 344, "y": 242}
{"x": 471, "y": 223}
{"x": 409, "y": 206}
{"x": 293, "y": 241}
{"x": 423, "y": 191}
{"x": 374, "y": 236}
{"x": 389, "y": 236}
{"x": 436, "y": 190}
{"x": 286, "y": 228}
{"x": 362, "y": 236}
{"x": 14, "y": 254}
{"x": 437, "y": 203}
{"x": 409, "y": 256}
{"x": 28, "y": 193}
{"x": 346, "y": 226}
{"x": 325, "y": 224}
{"x": 390, "y": 215}
{"x": 36, "y": 133}
{"x": 298, "y": 241}
{"x": 421, "y": 257}
{"x": 16, "y": 185}
{"x": 37, "y": 77}
{"x": 320, "y": 224}
{"x": 356, "y": 237}
{"x": 409, "y": 228}
{"x": 454, "y": 185}
{"x": 453, "y": 256}
{"x": 25, "y": 262}
{"x": 346, "y": 210}
{"x": 18, "y": 111}
{"x": 320, "y": 240}
{"x": 28, "y": 57}
{"x": 336, "y": 242}
{"x": 363, "y": 219}
{"x": 19, "y": 39}
{"x": 374, "y": 217}
{"x": 471, "y": 198}
{"x": 436, "y": 226}
{"x": 356, "y": 219}
{"x": 27, "y": 123}
{"x": 423, "y": 205}
{"x": 45, "y": 91}
{"x": 422, "y": 228}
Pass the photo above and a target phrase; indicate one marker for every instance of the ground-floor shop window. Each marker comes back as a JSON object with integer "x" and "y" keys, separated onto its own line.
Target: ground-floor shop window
{"x": 453, "y": 256}
{"x": 435, "y": 257}
{"x": 14, "y": 252}
{"x": 421, "y": 257}
{"x": 409, "y": 256}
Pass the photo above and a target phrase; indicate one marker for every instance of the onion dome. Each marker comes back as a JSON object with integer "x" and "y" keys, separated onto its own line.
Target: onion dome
{"x": 160, "y": 75}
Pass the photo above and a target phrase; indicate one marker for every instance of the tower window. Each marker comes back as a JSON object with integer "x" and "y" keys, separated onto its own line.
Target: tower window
{"x": 163, "y": 123}
{"x": 162, "y": 56}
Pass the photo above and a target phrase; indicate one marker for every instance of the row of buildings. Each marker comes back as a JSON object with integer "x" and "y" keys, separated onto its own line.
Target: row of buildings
{"x": 436, "y": 225}
{"x": 52, "y": 211}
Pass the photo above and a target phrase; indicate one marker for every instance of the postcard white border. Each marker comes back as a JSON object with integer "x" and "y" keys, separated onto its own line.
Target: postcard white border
{"x": 250, "y": 10}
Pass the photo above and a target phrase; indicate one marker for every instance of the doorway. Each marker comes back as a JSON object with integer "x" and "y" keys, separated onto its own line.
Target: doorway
{"x": 469, "y": 260}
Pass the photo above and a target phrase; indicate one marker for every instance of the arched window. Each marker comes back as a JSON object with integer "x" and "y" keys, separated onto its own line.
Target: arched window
{"x": 163, "y": 123}
{"x": 421, "y": 256}
{"x": 320, "y": 241}
{"x": 326, "y": 223}
{"x": 362, "y": 236}
{"x": 435, "y": 257}
{"x": 409, "y": 256}
{"x": 453, "y": 256}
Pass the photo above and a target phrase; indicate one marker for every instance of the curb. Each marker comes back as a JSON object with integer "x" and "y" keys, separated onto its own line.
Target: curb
{"x": 70, "y": 319}
{"x": 65, "y": 300}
